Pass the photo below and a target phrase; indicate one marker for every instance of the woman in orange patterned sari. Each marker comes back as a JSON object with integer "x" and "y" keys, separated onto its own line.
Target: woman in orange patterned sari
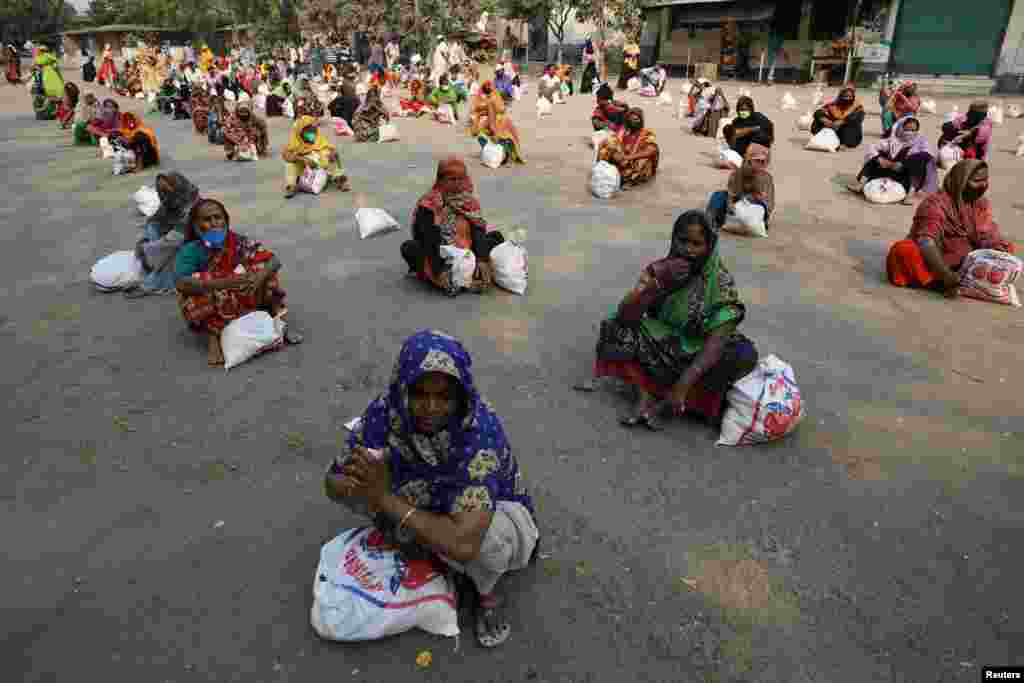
{"x": 636, "y": 154}
{"x": 222, "y": 275}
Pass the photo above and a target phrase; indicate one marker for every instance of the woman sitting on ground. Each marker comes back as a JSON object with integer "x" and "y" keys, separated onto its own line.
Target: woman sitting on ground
{"x": 903, "y": 102}
{"x": 752, "y": 181}
{"x": 493, "y": 124}
{"x": 504, "y": 83}
{"x": 66, "y": 108}
{"x": 550, "y": 85}
{"x": 905, "y": 157}
{"x": 630, "y": 64}
{"x": 308, "y": 148}
{"x": 450, "y": 215}
{"x": 417, "y": 102}
{"x": 609, "y": 114}
{"x": 948, "y": 225}
{"x": 163, "y": 235}
{"x": 200, "y": 110}
{"x": 85, "y": 113}
{"x": 971, "y": 132}
{"x": 696, "y": 94}
{"x": 368, "y": 119}
{"x": 13, "y": 71}
{"x": 344, "y": 106}
{"x": 222, "y": 275}
{"x": 245, "y": 131}
{"x": 565, "y": 74}
{"x": 674, "y": 336}
{"x": 215, "y": 119}
{"x": 749, "y": 127}
{"x": 710, "y": 112}
{"x": 140, "y": 139}
{"x": 635, "y": 154}
{"x": 844, "y": 115}
{"x": 445, "y": 94}
{"x": 448, "y": 483}
{"x": 107, "y": 121}
{"x": 306, "y": 103}
{"x": 276, "y": 99}
{"x": 132, "y": 84}
{"x": 166, "y": 96}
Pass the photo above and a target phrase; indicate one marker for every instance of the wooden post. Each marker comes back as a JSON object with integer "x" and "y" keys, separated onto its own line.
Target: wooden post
{"x": 760, "y": 68}
{"x": 689, "y": 51}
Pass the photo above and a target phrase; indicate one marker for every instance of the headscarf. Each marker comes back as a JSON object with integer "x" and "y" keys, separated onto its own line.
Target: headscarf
{"x": 299, "y": 147}
{"x": 750, "y": 179}
{"x": 604, "y": 92}
{"x": 956, "y": 180}
{"x": 132, "y": 125}
{"x": 837, "y": 111}
{"x": 466, "y": 466}
{"x": 243, "y": 131}
{"x": 745, "y": 102}
{"x": 71, "y": 92}
{"x": 976, "y": 113}
{"x": 896, "y": 144}
{"x": 110, "y": 115}
{"x": 176, "y": 205}
{"x": 447, "y": 207}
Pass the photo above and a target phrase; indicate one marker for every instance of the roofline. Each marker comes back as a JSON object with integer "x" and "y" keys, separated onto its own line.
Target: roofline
{"x": 118, "y": 28}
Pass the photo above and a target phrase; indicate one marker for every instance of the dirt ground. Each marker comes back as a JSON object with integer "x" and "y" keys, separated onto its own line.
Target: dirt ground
{"x": 878, "y": 543}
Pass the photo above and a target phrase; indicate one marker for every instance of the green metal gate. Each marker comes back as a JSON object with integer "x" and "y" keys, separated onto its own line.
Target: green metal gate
{"x": 949, "y": 36}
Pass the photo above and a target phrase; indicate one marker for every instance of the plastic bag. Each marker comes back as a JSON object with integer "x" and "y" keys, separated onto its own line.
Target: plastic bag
{"x": 312, "y": 180}
{"x": 728, "y": 158}
{"x": 604, "y": 180}
{"x": 763, "y": 406}
{"x": 492, "y": 155}
{"x": 805, "y": 121}
{"x": 463, "y": 263}
{"x": 248, "y": 153}
{"x": 990, "y": 275}
{"x": 995, "y": 112}
{"x": 288, "y": 109}
{"x": 950, "y": 156}
{"x": 599, "y": 138}
{"x": 825, "y": 140}
{"x": 364, "y": 589}
{"x": 388, "y": 133}
{"x": 818, "y": 98}
{"x": 342, "y": 128}
{"x": 373, "y": 222}
{"x": 106, "y": 149}
{"x": 928, "y": 106}
{"x": 543, "y": 107}
{"x": 118, "y": 271}
{"x": 746, "y": 218}
{"x": 788, "y": 101}
{"x": 633, "y": 84}
{"x": 260, "y": 102}
{"x": 249, "y": 336}
{"x": 1013, "y": 111}
{"x": 884, "y": 191}
{"x": 148, "y": 201}
{"x": 511, "y": 269}
{"x": 720, "y": 135}
{"x": 124, "y": 160}
{"x": 445, "y": 114}
{"x": 647, "y": 91}
{"x": 665, "y": 99}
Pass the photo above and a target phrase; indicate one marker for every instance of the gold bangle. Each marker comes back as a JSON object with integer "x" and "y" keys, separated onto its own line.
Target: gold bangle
{"x": 405, "y": 518}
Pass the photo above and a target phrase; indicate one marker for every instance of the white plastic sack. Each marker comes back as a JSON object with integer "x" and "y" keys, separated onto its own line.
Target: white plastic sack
{"x": 928, "y": 106}
{"x": 665, "y": 99}
{"x": 312, "y": 180}
{"x": 950, "y": 156}
{"x": 543, "y": 107}
{"x": 990, "y": 275}
{"x": 825, "y": 140}
{"x": 763, "y": 406}
{"x": 517, "y": 93}
{"x": 633, "y": 84}
{"x": 599, "y": 138}
{"x": 1013, "y": 111}
{"x": 788, "y": 101}
{"x": 288, "y": 109}
{"x": 720, "y": 135}
{"x": 119, "y": 270}
{"x": 445, "y": 114}
{"x": 746, "y": 218}
{"x": 106, "y": 149}
{"x": 511, "y": 268}
{"x": 818, "y": 99}
{"x": 148, "y": 201}
{"x": 805, "y": 121}
{"x": 249, "y": 336}
{"x": 361, "y": 90}
{"x": 260, "y": 102}
{"x": 884, "y": 191}
{"x": 995, "y": 112}
{"x": 463, "y": 263}
{"x": 123, "y": 160}
{"x": 1020, "y": 149}
{"x": 728, "y": 158}
{"x": 492, "y": 155}
{"x": 364, "y": 589}
{"x": 248, "y": 153}
{"x": 373, "y": 222}
{"x": 388, "y": 133}
{"x": 604, "y": 180}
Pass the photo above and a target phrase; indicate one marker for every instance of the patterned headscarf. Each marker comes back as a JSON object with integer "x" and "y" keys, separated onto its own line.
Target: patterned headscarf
{"x": 451, "y": 470}
{"x": 447, "y": 207}
{"x": 296, "y": 145}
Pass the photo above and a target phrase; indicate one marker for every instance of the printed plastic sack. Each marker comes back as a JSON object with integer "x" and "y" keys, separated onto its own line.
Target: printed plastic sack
{"x": 825, "y": 140}
{"x": 604, "y": 180}
{"x": 248, "y": 153}
{"x": 647, "y": 91}
{"x": 492, "y": 155}
{"x": 995, "y": 112}
{"x": 463, "y": 263}
{"x": 106, "y": 149}
{"x": 747, "y": 218}
{"x": 148, "y": 201}
{"x": 543, "y": 107}
{"x": 124, "y": 160}
{"x": 249, "y": 336}
{"x": 728, "y": 159}
{"x": 928, "y": 106}
{"x": 373, "y": 222}
{"x": 445, "y": 114}
{"x": 342, "y": 128}
{"x": 1013, "y": 111}
{"x": 118, "y": 271}
{"x": 805, "y": 121}
{"x": 788, "y": 101}
{"x": 388, "y": 133}
{"x": 312, "y": 180}
{"x": 990, "y": 275}
{"x": 763, "y": 406}
{"x": 364, "y": 589}
{"x": 884, "y": 191}
{"x": 511, "y": 266}
{"x": 288, "y": 109}
{"x": 950, "y": 156}
{"x": 633, "y": 84}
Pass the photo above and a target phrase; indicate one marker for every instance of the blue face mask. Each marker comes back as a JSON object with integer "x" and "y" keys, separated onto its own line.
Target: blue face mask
{"x": 214, "y": 239}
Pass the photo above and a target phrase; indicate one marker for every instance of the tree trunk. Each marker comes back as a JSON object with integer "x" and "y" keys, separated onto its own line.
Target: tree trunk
{"x": 559, "y": 51}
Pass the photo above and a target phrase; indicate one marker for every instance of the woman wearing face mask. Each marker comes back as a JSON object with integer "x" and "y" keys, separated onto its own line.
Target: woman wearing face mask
{"x": 749, "y": 127}
{"x": 674, "y": 336}
{"x": 85, "y": 112}
{"x": 308, "y": 148}
{"x": 710, "y": 111}
{"x": 369, "y": 117}
{"x": 751, "y": 181}
{"x": 431, "y": 460}
{"x": 971, "y": 132}
{"x": 609, "y": 114}
{"x": 139, "y": 138}
{"x": 163, "y": 234}
{"x": 222, "y": 275}
{"x": 948, "y": 225}
{"x": 244, "y": 130}
{"x": 844, "y": 115}
{"x": 635, "y": 154}
{"x": 905, "y": 157}
{"x": 490, "y": 122}
{"x": 903, "y": 102}
{"x": 107, "y": 122}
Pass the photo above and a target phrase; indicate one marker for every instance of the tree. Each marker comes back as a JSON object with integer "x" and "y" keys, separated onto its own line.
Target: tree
{"x": 611, "y": 15}
{"x": 557, "y": 15}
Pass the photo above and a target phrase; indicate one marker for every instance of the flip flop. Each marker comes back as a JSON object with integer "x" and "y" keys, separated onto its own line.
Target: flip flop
{"x": 494, "y": 614}
{"x": 586, "y": 385}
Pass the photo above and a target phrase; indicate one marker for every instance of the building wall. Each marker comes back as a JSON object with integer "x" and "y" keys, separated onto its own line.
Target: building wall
{"x": 1011, "y": 56}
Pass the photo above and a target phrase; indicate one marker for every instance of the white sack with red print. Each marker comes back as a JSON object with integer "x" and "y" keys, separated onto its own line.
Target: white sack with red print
{"x": 763, "y": 406}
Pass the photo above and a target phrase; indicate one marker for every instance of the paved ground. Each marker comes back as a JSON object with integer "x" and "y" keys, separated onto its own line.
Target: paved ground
{"x": 881, "y": 543}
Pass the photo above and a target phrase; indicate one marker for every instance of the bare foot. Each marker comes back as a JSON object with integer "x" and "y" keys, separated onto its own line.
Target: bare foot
{"x": 214, "y": 355}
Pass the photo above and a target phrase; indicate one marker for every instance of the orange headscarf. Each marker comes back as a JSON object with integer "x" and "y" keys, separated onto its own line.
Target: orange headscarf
{"x": 132, "y": 124}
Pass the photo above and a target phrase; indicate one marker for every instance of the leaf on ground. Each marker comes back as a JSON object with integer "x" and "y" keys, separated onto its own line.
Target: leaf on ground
{"x": 551, "y": 567}
{"x": 295, "y": 441}
{"x": 122, "y": 424}
{"x": 87, "y": 454}
{"x": 582, "y": 569}
{"x": 215, "y": 471}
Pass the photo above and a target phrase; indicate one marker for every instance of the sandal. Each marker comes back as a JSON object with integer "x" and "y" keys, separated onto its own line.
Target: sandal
{"x": 293, "y": 338}
{"x": 586, "y": 386}
{"x": 289, "y": 192}
{"x": 492, "y": 626}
